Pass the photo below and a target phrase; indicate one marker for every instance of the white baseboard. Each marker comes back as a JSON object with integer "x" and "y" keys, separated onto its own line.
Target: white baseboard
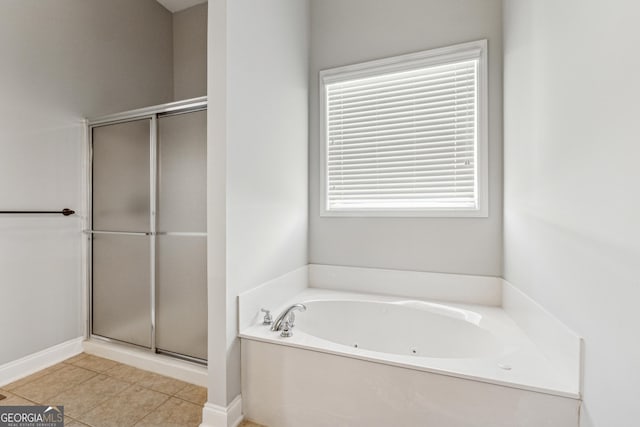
{"x": 143, "y": 359}
{"x": 13, "y": 371}
{"x": 220, "y": 416}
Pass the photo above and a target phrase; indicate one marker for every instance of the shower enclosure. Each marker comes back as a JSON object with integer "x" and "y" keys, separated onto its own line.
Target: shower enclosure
{"x": 147, "y": 228}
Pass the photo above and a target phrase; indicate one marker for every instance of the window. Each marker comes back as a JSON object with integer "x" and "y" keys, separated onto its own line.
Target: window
{"x": 406, "y": 136}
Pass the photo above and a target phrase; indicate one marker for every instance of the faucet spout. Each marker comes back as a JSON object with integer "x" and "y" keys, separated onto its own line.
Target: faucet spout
{"x": 288, "y": 316}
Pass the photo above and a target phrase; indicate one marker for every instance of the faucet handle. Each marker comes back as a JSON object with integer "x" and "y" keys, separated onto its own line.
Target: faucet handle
{"x": 286, "y": 330}
{"x": 267, "y": 320}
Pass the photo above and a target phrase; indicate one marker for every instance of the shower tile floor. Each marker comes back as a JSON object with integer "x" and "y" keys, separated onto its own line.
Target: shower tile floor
{"x": 102, "y": 393}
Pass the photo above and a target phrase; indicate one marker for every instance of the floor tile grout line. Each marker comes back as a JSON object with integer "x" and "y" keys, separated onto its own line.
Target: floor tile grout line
{"x": 106, "y": 372}
{"x": 62, "y": 391}
{"x": 24, "y": 398}
{"x": 167, "y": 394}
{"x": 168, "y": 397}
{"x": 187, "y": 384}
{"x": 100, "y": 403}
{"x": 76, "y": 420}
{"x": 152, "y": 410}
{"x": 164, "y": 403}
{"x": 64, "y": 362}
{"x": 175, "y": 394}
{"x": 146, "y": 415}
{"x": 75, "y": 385}
{"x": 35, "y": 379}
{"x": 183, "y": 387}
{"x": 190, "y": 401}
{"x": 92, "y": 369}
{"x": 30, "y": 375}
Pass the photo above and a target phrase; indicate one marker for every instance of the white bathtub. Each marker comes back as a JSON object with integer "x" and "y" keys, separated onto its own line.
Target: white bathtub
{"x": 389, "y": 327}
{"x": 473, "y": 342}
{"x": 360, "y": 359}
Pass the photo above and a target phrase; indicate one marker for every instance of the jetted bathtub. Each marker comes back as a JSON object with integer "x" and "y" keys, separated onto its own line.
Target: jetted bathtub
{"x": 360, "y": 359}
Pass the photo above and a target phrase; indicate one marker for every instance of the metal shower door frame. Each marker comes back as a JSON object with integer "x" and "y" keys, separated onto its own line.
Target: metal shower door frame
{"x": 148, "y": 113}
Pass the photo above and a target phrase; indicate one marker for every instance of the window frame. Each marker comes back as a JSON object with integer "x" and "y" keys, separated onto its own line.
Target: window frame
{"x": 432, "y": 57}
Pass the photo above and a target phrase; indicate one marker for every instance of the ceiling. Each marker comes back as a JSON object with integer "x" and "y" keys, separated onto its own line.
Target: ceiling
{"x": 178, "y": 5}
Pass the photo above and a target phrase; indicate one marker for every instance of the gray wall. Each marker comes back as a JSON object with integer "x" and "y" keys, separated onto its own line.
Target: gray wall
{"x": 572, "y": 215}
{"x": 258, "y": 98}
{"x": 351, "y": 31}
{"x": 62, "y": 61}
{"x": 190, "y": 52}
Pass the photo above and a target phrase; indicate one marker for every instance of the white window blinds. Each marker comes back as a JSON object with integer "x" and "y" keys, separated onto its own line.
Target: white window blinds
{"x": 403, "y": 140}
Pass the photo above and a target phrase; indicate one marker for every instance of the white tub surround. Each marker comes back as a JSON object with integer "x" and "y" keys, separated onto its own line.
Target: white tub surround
{"x": 473, "y": 342}
{"x": 400, "y": 352}
{"x": 461, "y": 288}
{"x": 292, "y": 387}
{"x": 562, "y": 347}
{"x": 270, "y": 295}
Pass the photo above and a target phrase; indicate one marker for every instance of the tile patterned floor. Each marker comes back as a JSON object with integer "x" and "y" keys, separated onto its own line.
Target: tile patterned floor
{"x": 99, "y": 392}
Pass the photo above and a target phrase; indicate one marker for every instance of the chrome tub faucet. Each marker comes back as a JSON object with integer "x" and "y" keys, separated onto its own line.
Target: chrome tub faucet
{"x": 285, "y": 321}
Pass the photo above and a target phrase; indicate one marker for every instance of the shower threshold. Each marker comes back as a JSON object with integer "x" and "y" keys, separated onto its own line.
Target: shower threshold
{"x": 164, "y": 364}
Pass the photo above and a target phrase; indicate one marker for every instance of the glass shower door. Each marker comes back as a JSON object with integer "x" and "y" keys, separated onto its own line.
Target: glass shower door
{"x": 122, "y": 245}
{"x": 181, "y": 267}
{"x": 149, "y": 231}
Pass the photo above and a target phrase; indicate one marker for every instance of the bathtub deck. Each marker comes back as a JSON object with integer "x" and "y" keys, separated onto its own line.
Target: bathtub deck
{"x": 522, "y": 365}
